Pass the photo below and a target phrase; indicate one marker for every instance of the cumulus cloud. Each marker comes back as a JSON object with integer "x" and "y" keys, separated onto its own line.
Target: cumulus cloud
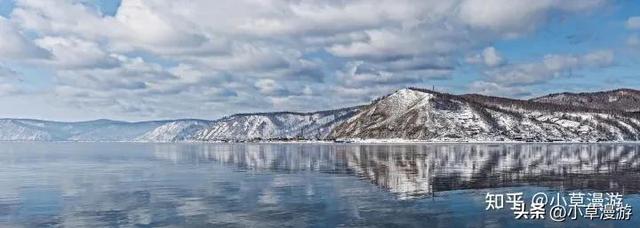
{"x": 514, "y": 79}
{"x": 176, "y": 58}
{"x": 551, "y": 66}
{"x": 496, "y": 89}
{"x": 360, "y": 74}
{"x": 489, "y": 57}
{"x": 633, "y": 23}
{"x": 633, "y": 40}
{"x": 9, "y": 80}
{"x": 272, "y": 89}
{"x": 515, "y": 18}
{"x": 136, "y": 25}
{"x": 14, "y": 45}
{"x": 71, "y": 52}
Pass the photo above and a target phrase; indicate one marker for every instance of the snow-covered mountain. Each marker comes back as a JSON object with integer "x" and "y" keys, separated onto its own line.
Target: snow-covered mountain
{"x": 427, "y": 115}
{"x": 172, "y": 131}
{"x": 98, "y": 130}
{"x": 620, "y": 99}
{"x": 280, "y": 125}
{"x": 410, "y": 114}
{"x": 241, "y": 127}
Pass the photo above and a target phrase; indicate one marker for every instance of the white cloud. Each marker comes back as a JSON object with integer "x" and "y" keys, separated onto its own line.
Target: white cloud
{"x": 360, "y": 74}
{"x": 137, "y": 25}
{"x": 633, "y": 23}
{"x": 71, "y": 52}
{"x": 515, "y": 18}
{"x": 489, "y": 57}
{"x": 552, "y": 66}
{"x": 141, "y": 24}
{"x": 633, "y": 40}
{"x": 312, "y": 17}
{"x": 132, "y": 75}
{"x": 269, "y": 87}
{"x": 61, "y": 18}
{"x": 249, "y": 57}
{"x": 602, "y": 58}
{"x": 515, "y": 80}
{"x": 241, "y": 55}
{"x": 9, "y": 81}
{"x": 14, "y": 45}
{"x": 496, "y": 89}
{"x": 509, "y": 17}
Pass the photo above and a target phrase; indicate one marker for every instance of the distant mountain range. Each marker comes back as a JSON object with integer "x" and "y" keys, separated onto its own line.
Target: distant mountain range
{"x": 620, "y": 99}
{"x": 407, "y": 114}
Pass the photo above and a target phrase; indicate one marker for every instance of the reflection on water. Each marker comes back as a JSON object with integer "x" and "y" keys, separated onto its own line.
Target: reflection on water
{"x": 296, "y": 185}
{"x": 421, "y": 170}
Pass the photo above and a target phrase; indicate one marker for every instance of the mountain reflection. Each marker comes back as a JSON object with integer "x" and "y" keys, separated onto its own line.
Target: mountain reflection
{"x": 423, "y": 170}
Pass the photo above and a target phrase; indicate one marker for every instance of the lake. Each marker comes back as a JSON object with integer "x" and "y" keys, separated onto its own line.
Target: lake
{"x": 302, "y": 185}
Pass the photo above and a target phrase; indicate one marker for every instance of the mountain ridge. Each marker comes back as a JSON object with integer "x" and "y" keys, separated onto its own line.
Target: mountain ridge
{"x": 435, "y": 116}
{"x": 409, "y": 114}
{"x": 623, "y": 99}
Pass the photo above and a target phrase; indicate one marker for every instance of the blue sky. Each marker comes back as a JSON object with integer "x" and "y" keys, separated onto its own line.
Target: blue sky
{"x": 141, "y": 60}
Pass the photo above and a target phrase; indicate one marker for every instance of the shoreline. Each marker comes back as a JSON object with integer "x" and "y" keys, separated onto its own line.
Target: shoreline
{"x": 355, "y": 142}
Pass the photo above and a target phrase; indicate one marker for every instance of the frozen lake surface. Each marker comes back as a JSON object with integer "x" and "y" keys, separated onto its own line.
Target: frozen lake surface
{"x": 300, "y": 185}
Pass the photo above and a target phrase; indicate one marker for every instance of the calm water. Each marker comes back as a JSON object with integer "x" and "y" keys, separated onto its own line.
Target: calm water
{"x": 299, "y": 185}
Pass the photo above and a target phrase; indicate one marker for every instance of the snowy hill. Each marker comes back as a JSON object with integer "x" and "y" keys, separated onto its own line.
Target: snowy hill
{"x": 426, "y": 115}
{"x": 282, "y": 125}
{"x": 179, "y": 130}
{"x": 620, "y": 99}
